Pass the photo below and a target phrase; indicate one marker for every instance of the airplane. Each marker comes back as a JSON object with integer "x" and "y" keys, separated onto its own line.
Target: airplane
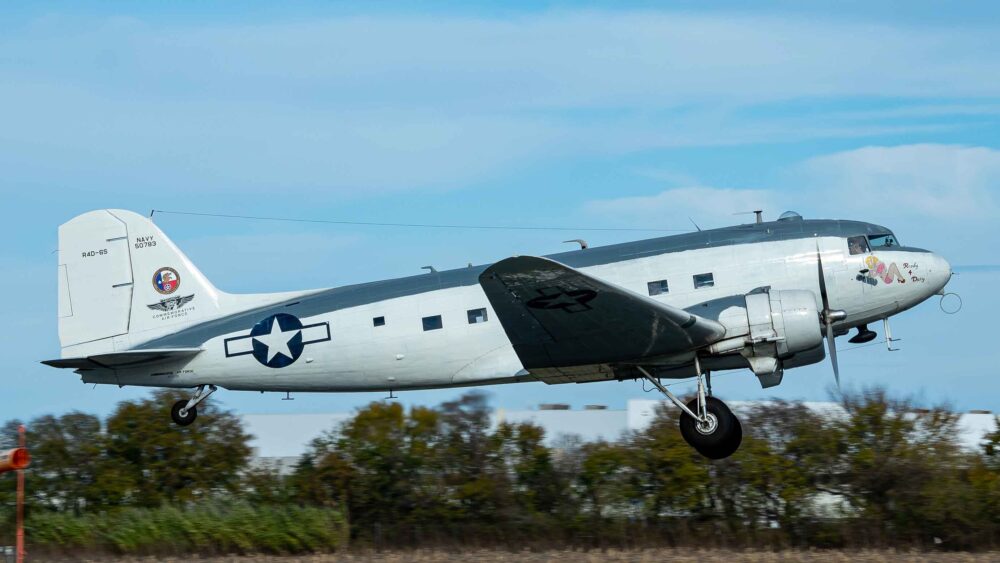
{"x": 134, "y": 310}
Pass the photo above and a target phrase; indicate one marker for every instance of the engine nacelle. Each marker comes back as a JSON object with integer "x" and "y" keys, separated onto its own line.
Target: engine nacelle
{"x": 770, "y": 327}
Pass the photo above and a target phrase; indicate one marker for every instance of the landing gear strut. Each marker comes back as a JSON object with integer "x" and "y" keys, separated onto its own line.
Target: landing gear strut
{"x": 184, "y": 412}
{"x": 706, "y": 423}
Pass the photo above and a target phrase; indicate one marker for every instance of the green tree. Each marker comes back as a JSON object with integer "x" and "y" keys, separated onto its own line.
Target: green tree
{"x": 674, "y": 478}
{"x": 471, "y": 463}
{"x": 396, "y": 472}
{"x": 375, "y": 464}
{"x": 780, "y": 473}
{"x": 991, "y": 444}
{"x": 323, "y": 476}
{"x": 165, "y": 463}
{"x": 265, "y": 485}
{"x": 903, "y": 472}
{"x": 70, "y": 470}
{"x": 984, "y": 478}
{"x": 538, "y": 486}
{"x": 608, "y": 480}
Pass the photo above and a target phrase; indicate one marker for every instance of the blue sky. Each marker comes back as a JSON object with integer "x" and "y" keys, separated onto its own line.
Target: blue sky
{"x": 584, "y": 115}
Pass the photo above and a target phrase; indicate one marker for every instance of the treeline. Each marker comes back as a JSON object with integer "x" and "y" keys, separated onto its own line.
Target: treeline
{"x": 138, "y": 484}
{"x": 872, "y": 475}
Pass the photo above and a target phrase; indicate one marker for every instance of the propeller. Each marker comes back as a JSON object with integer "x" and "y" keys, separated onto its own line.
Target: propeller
{"x": 829, "y": 316}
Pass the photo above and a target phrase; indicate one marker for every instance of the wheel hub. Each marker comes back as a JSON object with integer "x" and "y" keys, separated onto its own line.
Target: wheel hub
{"x": 707, "y": 427}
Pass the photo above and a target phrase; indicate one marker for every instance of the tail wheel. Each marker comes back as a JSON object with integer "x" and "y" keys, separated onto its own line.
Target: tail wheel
{"x": 717, "y": 438}
{"x": 182, "y": 416}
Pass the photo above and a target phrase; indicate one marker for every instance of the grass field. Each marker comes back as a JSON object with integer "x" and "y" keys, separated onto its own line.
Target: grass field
{"x": 612, "y": 556}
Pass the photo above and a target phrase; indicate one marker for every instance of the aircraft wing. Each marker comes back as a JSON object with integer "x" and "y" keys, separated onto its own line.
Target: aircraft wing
{"x": 126, "y": 359}
{"x": 556, "y": 316}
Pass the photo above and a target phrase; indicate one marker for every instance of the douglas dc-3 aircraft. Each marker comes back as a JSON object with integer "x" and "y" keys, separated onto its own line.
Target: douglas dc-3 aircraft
{"x": 133, "y": 310}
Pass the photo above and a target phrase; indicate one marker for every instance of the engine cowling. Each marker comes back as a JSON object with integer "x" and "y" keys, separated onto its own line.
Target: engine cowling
{"x": 770, "y": 327}
{"x": 790, "y": 318}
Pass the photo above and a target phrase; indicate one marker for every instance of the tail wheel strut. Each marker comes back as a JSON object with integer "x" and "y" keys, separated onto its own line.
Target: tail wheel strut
{"x": 184, "y": 412}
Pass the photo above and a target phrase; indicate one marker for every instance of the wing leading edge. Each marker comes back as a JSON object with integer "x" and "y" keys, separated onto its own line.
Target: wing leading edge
{"x": 556, "y": 316}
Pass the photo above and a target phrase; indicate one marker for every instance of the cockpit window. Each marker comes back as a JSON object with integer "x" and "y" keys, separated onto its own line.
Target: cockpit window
{"x": 858, "y": 245}
{"x": 883, "y": 241}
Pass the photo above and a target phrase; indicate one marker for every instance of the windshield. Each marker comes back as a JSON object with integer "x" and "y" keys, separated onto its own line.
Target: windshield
{"x": 884, "y": 241}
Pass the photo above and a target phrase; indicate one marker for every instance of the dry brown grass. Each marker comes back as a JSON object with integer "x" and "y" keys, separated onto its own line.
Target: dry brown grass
{"x": 609, "y": 556}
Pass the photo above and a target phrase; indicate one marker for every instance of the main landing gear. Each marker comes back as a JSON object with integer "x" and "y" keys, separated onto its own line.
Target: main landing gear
{"x": 184, "y": 412}
{"x": 706, "y": 423}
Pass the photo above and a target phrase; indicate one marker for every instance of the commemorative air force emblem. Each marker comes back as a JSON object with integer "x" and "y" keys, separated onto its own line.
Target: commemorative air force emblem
{"x": 166, "y": 281}
{"x": 171, "y": 303}
{"x": 278, "y": 340}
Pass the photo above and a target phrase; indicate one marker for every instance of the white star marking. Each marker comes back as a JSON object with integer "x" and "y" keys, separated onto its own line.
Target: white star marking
{"x": 276, "y": 341}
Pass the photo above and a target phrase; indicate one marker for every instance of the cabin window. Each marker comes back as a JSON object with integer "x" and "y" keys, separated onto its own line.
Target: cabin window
{"x": 657, "y": 287}
{"x": 704, "y": 280}
{"x": 378, "y": 321}
{"x": 433, "y": 323}
{"x": 884, "y": 241}
{"x": 477, "y": 316}
{"x": 858, "y": 245}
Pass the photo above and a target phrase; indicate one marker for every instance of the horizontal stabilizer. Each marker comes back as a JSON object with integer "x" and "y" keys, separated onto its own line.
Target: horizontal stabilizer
{"x": 130, "y": 358}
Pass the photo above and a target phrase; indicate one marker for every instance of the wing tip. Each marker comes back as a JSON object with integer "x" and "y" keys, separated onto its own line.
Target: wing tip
{"x": 68, "y": 363}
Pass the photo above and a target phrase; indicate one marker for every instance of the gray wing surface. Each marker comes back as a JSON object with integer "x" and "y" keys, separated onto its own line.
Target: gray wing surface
{"x": 556, "y": 316}
{"x": 126, "y": 359}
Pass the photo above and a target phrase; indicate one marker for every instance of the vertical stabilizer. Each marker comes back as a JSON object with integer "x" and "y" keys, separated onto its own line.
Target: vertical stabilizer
{"x": 122, "y": 281}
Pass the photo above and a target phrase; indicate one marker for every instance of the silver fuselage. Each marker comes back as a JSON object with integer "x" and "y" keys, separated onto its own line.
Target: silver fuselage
{"x": 346, "y": 351}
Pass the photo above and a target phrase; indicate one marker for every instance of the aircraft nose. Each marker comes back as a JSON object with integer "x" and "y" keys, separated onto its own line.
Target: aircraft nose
{"x": 940, "y": 273}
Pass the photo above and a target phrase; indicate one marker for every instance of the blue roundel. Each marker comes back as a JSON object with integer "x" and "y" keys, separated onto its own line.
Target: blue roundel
{"x": 277, "y": 340}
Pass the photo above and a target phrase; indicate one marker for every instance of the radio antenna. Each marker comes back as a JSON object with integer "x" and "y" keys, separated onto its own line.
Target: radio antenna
{"x": 758, "y": 212}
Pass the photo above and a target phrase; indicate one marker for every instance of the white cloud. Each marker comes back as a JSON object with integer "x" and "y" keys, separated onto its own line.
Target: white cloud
{"x": 906, "y": 185}
{"x": 351, "y": 105}
{"x": 926, "y": 180}
{"x": 942, "y": 197}
{"x": 706, "y": 205}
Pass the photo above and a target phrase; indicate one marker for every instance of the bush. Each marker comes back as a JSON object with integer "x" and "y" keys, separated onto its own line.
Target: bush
{"x": 212, "y": 528}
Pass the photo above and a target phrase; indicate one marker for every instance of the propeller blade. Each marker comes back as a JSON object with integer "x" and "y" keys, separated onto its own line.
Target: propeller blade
{"x": 822, "y": 280}
{"x": 831, "y": 344}
{"x": 828, "y": 316}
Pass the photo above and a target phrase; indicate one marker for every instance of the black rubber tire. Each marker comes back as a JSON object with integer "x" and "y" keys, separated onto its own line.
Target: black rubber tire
{"x": 721, "y": 443}
{"x": 175, "y": 413}
{"x": 729, "y": 445}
